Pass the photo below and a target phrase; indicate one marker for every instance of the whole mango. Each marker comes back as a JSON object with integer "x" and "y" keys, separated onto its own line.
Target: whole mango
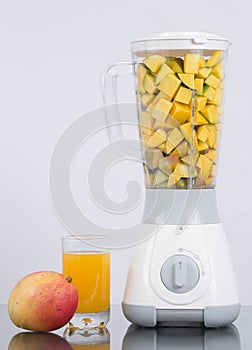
{"x": 42, "y": 301}
{"x": 41, "y": 341}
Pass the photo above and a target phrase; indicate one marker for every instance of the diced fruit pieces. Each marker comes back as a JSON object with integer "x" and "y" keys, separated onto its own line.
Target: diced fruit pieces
{"x": 211, "y": 114}
{"x": 203, "y": 133}
{"x": 183, "y": 95}
{"x": 164, "y": 70}
{"x": 202, "y": 146}
{"x": 208, "y": 92}
{"x": 185, "y": 171}
{"x": 146, "y": 120}
{"x": 173, "y": 179}
{"x": 200, "y": 102}
{"x": 146, "y": 99}
{"x": 149, "y": 84}
{"x": 169, "y": 85}
{"x": 176, "y": 64}
{"x": 159, "y": 177}
{"x": 182, "y": 148}
{"x": 217, "y": 99}
{"x": 173, "y": 139}
{"x": 199, "y": 83}
{"x": 141, "y": 72}
{"x": 214, "y": 59}
{"x": 167, "y": 164}
{"x": 191, "y": 159}
{"x": 212, "y": 135}
{"x": 154, "y": 62}
{"x": 161, "y": 109}
{"x": 187, "y": 79}
{"x": 181, "y": 112}
{"x": 204, "y": 164}
{"x": 218, "y": 71}
{"x": 157, "y": 138}
{"x": 212, "y": 81}
{"x": 191, "y": 63}
{"x": 186, "y": 130}
{"x": 199, "y": 119}
{"x": 204, "y": 72}
{"x": 155, "y": 101}
{"x": 152, "y": 157}
{"x": 212, "y": 155}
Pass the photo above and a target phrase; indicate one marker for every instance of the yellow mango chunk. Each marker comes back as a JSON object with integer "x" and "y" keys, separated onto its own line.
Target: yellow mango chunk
{"x": 152, "y": 157}
{"x": 200, "y": 102}
{"x": 182, "y": 149}
{"x": 173, "y": 179}
{"x": 191, "y": 159}
{"x": 218, "y": 71}
{"x": 199, "y": 119}
{"x": 167, "y": 164}
{"x": 213, "y": 171}
{"x": 187, "y": 79}
{"x": 217, "y": 99}
{"x": 212, "y": 81}
{"x": 173, "y": 139}
{"x": 181, "y": 112}
{"x": 204, "y": 72}
{"x": 149, "y": 84}
{"x": 191, "y": 63}
{"x": 215, "y": 58}
{"x": 209, "y": 92}
{"x": 185, "y": 171}
{"x": 211, "y": 114}
{"x": 204, "y": 164}
{"x": 144, "y": 140}
{"x": 176, "y": 64}
{"x": 169, "y": 85}
{"x": 156, "y": 99}
{"x": 157, "y": 138}
{"x": 203, "y": 133}
{"x": 198, "y": 84}
{"x": 202, "y": 146}
{"x": 141, "y": 72}
{"x": 202, "y": 62}
{"x": 162, "y": 73}
{"x": 212, "y": 154}
{"x": 186, "y": 130}
{"x": 172, "y": 122}
{"x": 146, "y": 99}
{"x": 161, "y": 109}
{"x": 154, "y": 62}
{"x": 162, "y": 147}
{"x": 212, "y": 135}
{"x": 183, "y": 95}
{"x": 159, "y": 177}
{"x": 147, "y": 123}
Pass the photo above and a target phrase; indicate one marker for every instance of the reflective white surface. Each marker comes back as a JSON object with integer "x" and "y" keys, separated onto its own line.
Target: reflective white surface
{"x": 124, "y": 336}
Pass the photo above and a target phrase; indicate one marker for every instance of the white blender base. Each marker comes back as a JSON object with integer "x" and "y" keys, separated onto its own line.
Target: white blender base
{"x": 212, "y": 302}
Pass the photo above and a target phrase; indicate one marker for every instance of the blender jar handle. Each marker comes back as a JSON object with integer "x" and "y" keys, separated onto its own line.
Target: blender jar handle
{"x": 110, "y": 96}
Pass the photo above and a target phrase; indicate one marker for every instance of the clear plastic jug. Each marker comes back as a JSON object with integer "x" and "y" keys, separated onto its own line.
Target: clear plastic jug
{"x": 180, "y": 83}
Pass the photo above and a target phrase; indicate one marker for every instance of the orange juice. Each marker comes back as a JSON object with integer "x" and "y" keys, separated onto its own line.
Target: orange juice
{"x": 90, "y": 272}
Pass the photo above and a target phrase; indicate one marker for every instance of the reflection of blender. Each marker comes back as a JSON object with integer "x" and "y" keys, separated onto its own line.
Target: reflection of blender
{"x": 161, "y": 338}
{"x": 183, "y": 275}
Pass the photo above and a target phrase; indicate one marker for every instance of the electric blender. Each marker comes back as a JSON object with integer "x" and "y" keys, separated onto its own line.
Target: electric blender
{"x": 183, "y": 274}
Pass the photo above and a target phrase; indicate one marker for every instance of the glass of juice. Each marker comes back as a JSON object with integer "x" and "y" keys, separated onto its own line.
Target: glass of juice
{"x": 87, "y": 261}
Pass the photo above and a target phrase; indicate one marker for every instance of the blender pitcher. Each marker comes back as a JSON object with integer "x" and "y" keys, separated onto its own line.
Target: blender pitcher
{"x": 180, "y": 81}
{"x": 182, "y": 275}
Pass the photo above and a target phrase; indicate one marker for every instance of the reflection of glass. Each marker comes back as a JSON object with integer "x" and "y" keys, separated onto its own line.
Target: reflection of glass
{"x": 89, "y": 266}
{"x": 95, "y": 338}
{"x": 161, "y": 338}
{"x": 41, "y": 341}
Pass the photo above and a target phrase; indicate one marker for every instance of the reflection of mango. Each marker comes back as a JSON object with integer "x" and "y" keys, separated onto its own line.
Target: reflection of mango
{"x": 42, "y": 341}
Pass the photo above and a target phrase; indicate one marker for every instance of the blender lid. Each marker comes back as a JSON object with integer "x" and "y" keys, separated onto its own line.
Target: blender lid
{"x": 180, "y": 41}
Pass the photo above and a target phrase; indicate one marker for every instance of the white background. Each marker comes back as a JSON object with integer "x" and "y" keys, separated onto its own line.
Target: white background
{"x": 52, "y": 55}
